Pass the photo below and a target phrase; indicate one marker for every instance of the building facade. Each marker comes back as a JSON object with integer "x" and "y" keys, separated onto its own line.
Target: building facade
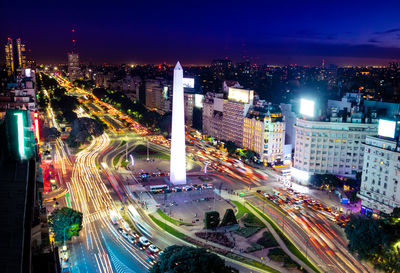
{"x": 235, "y": 109}
{"x": 264, "y": 133}
{"x": 332, "y": 147}
{"x": 380, "y": 189}
{"x": 15, "y": 55}
{"x": 213, "y": 115}
{"x": 157, "y": 97}
{"x": 73, "y": 66}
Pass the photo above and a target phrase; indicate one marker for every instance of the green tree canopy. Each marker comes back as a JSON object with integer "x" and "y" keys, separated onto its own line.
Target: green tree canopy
{"x": 65, "y": 219}
{"x": 184, "y": 259}
{"x": 367, "y": 236}
{"x": 230, "y": 147}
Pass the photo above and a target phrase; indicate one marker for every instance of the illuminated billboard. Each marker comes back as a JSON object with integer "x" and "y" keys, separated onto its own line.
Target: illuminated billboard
{"x": 387, "y": 128}
{"x": 198, "y": 100}
{"x": 307, "y": 107}
{"x": 165, "y": 92}
{"x": 27, "y": 72}
{"x": 188, "y": 83}
{"x": 241, "y": 95}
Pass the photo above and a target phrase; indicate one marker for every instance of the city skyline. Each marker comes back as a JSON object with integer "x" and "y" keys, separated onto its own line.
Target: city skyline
{"x": 157, "y": 32}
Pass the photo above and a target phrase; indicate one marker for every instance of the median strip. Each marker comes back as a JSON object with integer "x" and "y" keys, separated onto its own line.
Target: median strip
{"x": 287, "y": 241}
{"x": 172, "y": 220}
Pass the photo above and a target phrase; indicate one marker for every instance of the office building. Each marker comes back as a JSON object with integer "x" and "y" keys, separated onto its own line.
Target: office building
{"x": 21, "y": 94}
{"x": 15, "y": 56}
{"x": 157, "y": 95}
{"x": 334, "y": 146}
{"x": 213, "y": 107}
{"x": 193, "y": 98}
{"x": 380, "y": 182}
{"x": 235, "y": 108}
{"x": 264, "y": 133}
{"x": 73, "y": 66}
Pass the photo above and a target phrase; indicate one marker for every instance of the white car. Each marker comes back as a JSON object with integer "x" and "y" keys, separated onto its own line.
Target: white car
{"x": 125, "y": 234}
{"x": 131, "y": 239}
{"x": 134, "y": 235}
{"x": 144, "y": 241}
{"x": 153, "y": 248}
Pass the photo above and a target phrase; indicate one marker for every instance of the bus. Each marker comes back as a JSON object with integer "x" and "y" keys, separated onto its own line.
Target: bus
{"x": 158, "y": 188}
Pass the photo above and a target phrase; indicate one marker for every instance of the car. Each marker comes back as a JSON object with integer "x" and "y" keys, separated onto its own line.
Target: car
{"x": 125, "y": 234}
{"x": 131, "y": 239}
{"x": 150, "y": 260}
{"x": 134, "y": 235}
{"x": 120, "y": 230}
{"x": 144, "y": 241}
{"x": 126, "y": 226}
{"x": 153, "y": 248}
{"x": 140, "y": 245}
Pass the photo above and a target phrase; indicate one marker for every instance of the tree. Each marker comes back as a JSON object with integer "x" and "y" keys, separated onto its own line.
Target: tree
{"x": 83, "y": 129}
{"x": 396, "y": 212}
{"x": 182, "y": 259}
{"x": 366, "y": 236}
{"x": 250, "y": 155}
{"x": 230, "y": 147}
{"x": 353, "y": 196}
{"x": 65, "y": 219}
{"x": 229, "y": 218}
{"x": 211, "y": 219}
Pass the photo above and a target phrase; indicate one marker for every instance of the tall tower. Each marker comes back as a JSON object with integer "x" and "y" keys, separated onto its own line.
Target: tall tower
{"x": 178, "y": 152}
{"x": 73, "y": 61}
{"x": 15, "y": 55}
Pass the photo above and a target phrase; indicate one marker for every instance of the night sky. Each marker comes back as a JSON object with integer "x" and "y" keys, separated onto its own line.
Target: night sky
{"x": 274, "y": 32}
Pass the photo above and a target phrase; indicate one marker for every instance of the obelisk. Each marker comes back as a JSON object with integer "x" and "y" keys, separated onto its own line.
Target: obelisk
{"x": 178, "y": 152}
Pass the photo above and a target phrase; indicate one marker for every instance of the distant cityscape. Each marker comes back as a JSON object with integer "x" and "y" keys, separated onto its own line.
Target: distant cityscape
{"x": 301, "y": 150}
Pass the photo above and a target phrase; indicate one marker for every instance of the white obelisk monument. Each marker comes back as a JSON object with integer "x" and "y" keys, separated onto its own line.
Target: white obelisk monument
{"x": 178, "y": 152}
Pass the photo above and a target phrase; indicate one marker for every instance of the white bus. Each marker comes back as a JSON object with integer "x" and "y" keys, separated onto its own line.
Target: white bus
{"x": 158, "y": 188}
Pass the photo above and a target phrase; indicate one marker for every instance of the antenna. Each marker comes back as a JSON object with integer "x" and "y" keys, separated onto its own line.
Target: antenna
{"x": 73, "y": 41}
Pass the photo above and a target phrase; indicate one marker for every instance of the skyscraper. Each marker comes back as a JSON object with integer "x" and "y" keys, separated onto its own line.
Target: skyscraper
{"x": 73, "y": 62}
{"x": 178, "y": 153}
{"x": 73, "y": 66}
{"x": 15, "y": 55}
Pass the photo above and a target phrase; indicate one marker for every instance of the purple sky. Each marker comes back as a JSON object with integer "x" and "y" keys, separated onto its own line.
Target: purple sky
{"x": 195, "y": 32}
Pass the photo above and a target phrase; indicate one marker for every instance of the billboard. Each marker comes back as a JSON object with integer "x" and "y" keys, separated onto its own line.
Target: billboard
{"x": 198, "y": 100}
{"x": 165, "y": 92}
{"x": 387, "y": 128}
{"x": 241, "y": 95}
{"x": 27, "y": 72}
{"x": 307, "y": 107}
{"x": 188, "y": 83}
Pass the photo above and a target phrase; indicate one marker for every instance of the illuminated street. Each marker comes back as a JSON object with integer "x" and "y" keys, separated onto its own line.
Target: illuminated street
{"x": 324, "y": 245}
